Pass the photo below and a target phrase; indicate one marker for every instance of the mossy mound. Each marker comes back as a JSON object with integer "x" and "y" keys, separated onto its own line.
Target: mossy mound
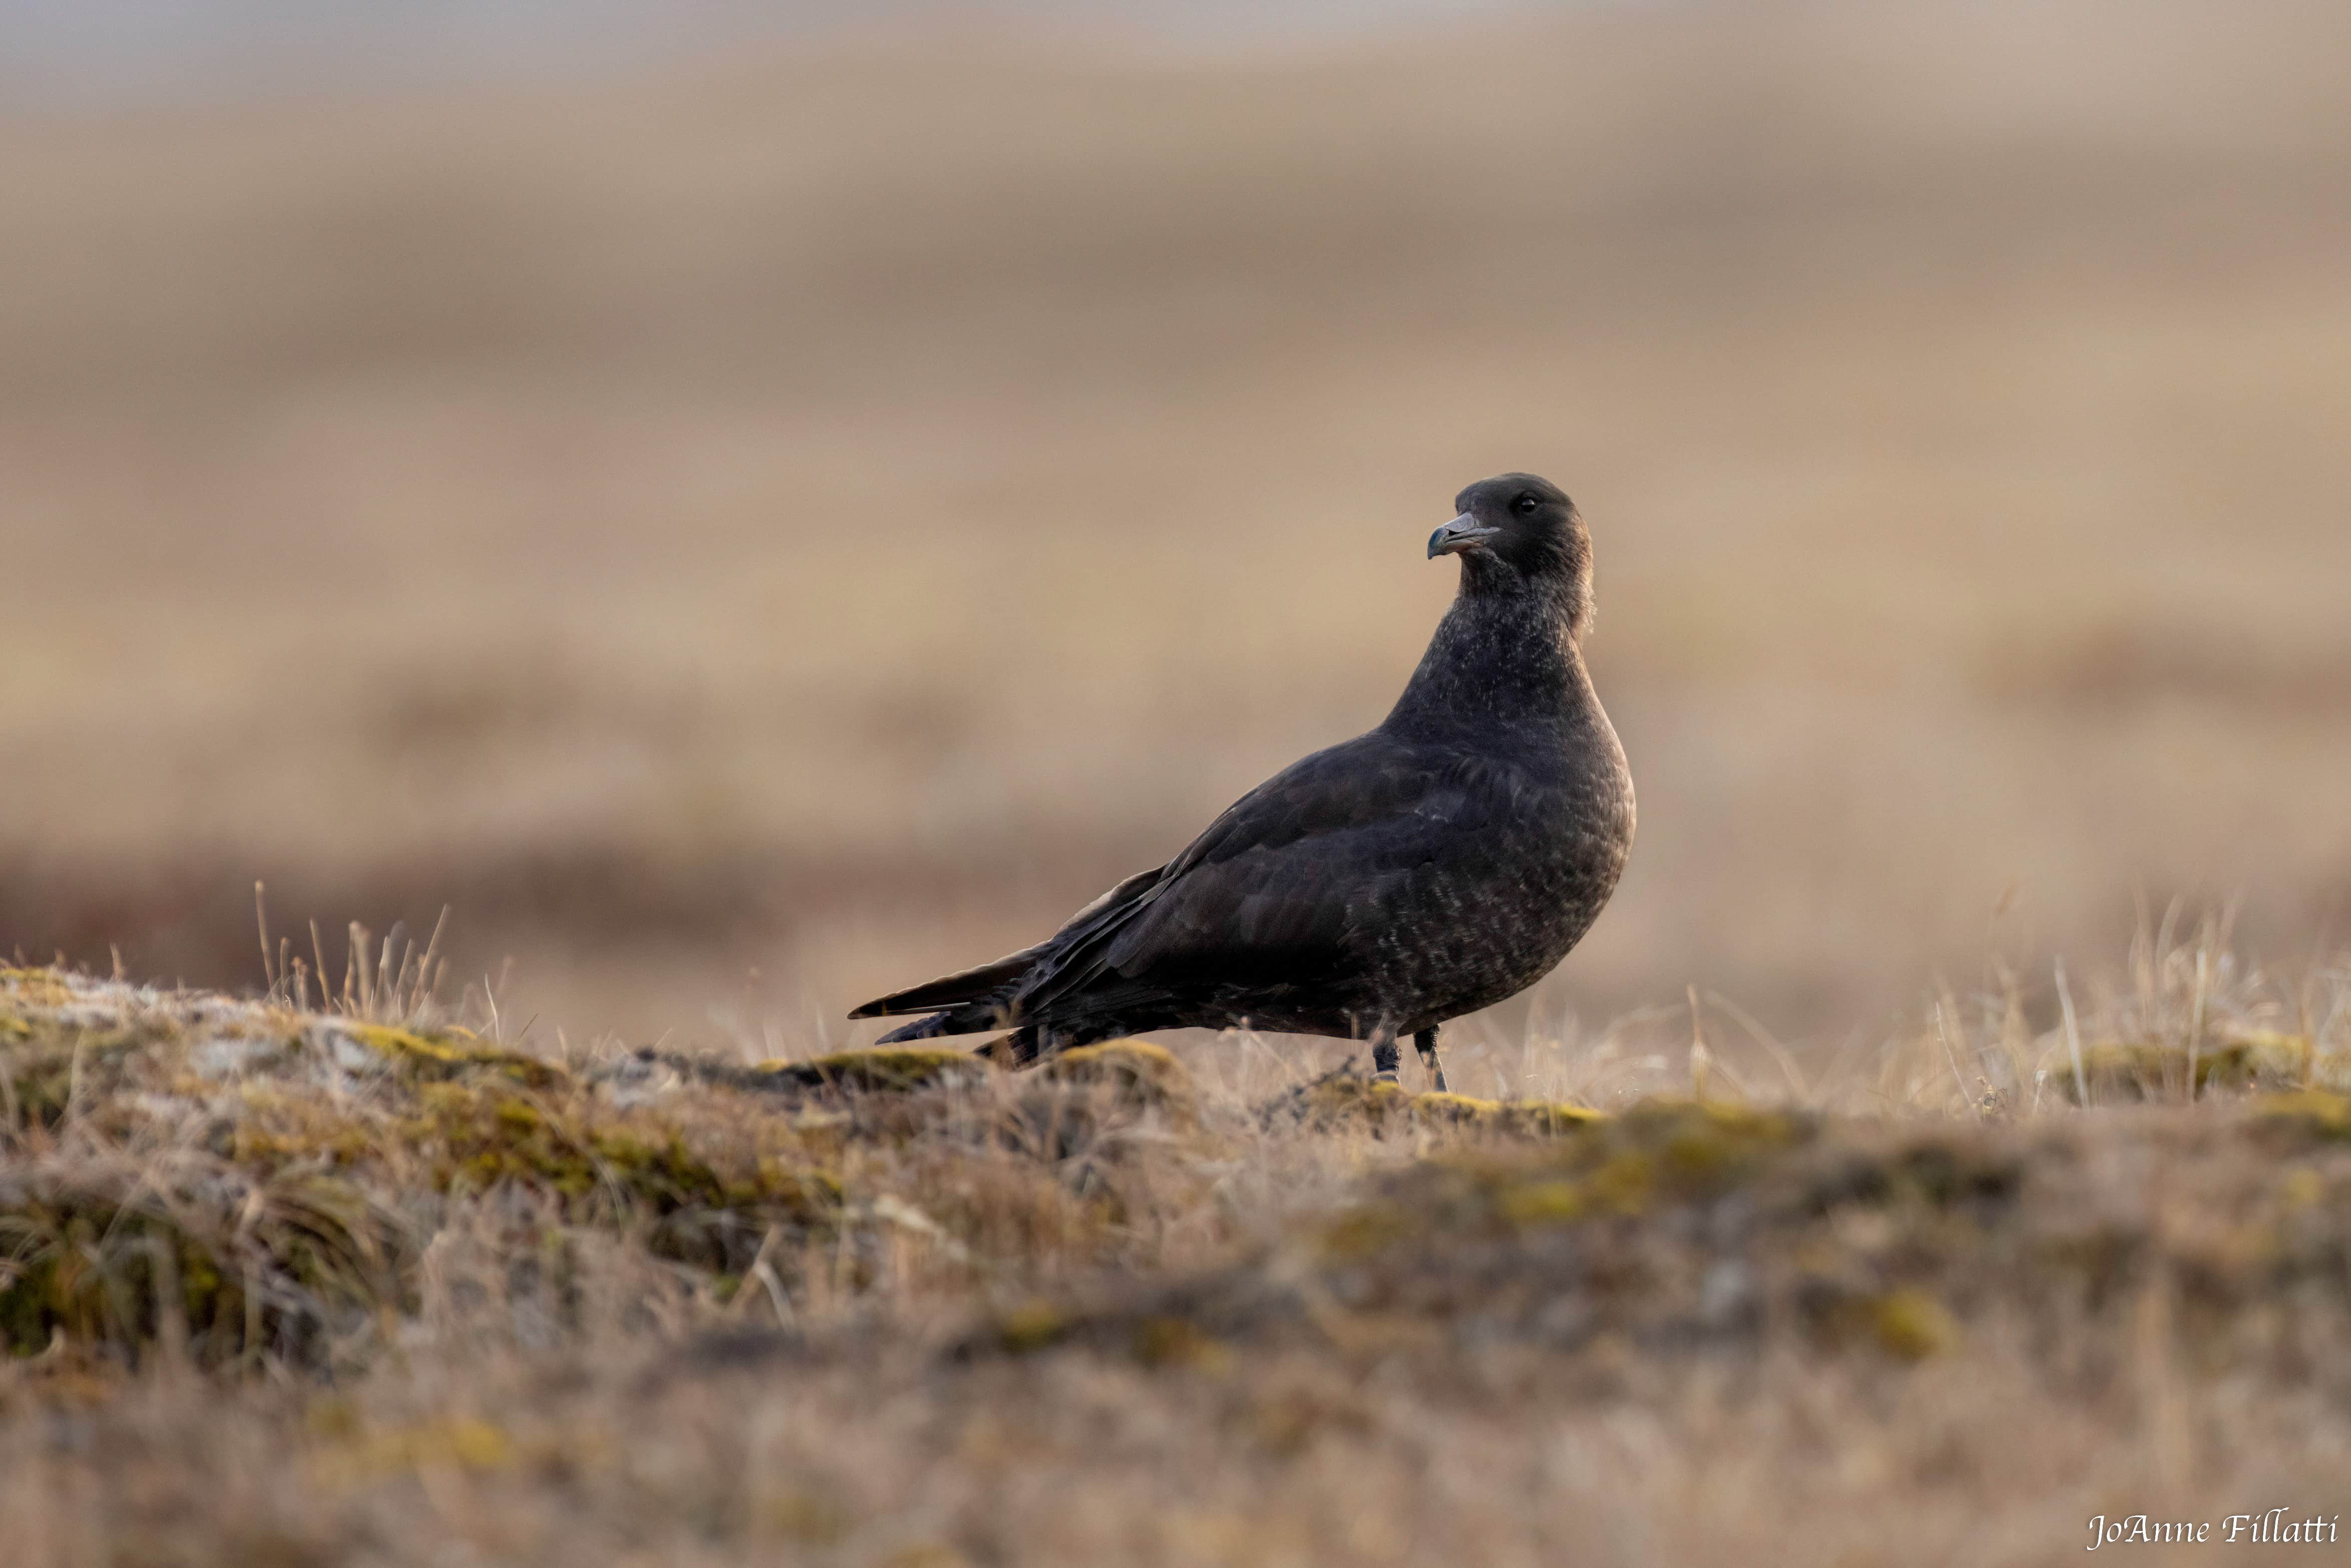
{"x": 435, "y": 1055}
{"x": 711, "y": 1209}
{"x": 1677, "y": 1225}
{"x": 1346, "y": 1098}
{"x": 121, "y": 1053}
{"x": 788, "y": 1172}
{"x": 297, "y": 1219}
{"x": 232, "y": 1175}
{"x": 1657, "y": 1152}
{"x": 708, "y": 1201}
{"x": 1139, "y": 1074}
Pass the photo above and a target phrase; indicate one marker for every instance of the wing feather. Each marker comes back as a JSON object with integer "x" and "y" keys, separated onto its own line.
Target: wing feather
{"x": 1284, "y": 885}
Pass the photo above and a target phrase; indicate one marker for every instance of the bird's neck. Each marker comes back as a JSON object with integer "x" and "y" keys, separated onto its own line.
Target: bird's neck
{"x": 1507, "y": 652}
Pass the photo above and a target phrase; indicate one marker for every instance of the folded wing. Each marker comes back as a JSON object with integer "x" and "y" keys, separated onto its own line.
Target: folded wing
{"x": 1284, "y": 891}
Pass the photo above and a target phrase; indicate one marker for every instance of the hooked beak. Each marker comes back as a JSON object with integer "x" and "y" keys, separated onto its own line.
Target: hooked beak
{"x": 1463, "y": 532}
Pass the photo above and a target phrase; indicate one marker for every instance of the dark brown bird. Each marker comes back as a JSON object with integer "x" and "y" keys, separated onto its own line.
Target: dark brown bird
{"x": 1435, "y": 866}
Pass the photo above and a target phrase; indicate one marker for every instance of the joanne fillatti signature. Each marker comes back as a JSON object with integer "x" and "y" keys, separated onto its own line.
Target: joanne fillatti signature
{"x": 2278, "y": 1526}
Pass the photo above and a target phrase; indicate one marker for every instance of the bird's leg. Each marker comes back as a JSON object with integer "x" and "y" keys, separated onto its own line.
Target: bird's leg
{"x": 1426, "y": 1043}
{"x": 1384, "y": 1055}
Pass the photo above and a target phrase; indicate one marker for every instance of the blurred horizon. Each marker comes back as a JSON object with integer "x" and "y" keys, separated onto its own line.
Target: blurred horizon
{"x": 751, "y": 532}
{"x": 59, "y": 56}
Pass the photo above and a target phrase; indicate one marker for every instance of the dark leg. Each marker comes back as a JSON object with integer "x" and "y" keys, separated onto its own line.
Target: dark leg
{"x": 1426, "y": 1043}
{"x": 1384, "y": 1056}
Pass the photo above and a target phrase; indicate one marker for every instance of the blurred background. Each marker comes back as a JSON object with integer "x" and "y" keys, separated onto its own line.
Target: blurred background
{"x": 753, "y": 506}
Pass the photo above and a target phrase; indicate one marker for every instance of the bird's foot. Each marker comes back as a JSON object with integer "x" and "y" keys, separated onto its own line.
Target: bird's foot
{"x": 1426, "y": 1043}
{"x": 1384, "y": 1061}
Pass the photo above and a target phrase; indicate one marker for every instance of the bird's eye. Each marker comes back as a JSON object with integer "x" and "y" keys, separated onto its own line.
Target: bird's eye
{"x": 1525, "y": 506}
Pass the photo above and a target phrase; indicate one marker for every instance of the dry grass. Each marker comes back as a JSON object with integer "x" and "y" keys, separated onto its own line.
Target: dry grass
{"x": 627, "y": 1305}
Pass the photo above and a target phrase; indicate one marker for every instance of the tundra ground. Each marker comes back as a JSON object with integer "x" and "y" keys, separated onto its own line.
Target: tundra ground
{"x": 366, "y": 1286}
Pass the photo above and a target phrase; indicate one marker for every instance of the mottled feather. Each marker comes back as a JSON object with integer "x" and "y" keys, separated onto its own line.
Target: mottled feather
{"x": 1434, "y": 865}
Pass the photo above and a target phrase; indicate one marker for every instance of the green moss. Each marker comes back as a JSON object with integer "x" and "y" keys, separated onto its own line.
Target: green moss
{"x": 2121, "y": 1071}
{"x": 884, "y": 1070}
{"x": 1526, "y": 1116}
{"x": 1908, "y": 1323}
{"x": 1167, "y": 1342}
{"x": 35, "y": 987}
{"x": 1596, "y": 1168}
{"x": 1346, "y": 1097}
{"x": 1369, "y": 1229}
{"x": 2316, "y": 1111}
{"x": 1657, "y": 1149}
{"x": 1142, "y": 1073}
{"x": 1621, "y": 1185}
{"x": 450, "y": 1442}
{"x": 706, "y": 1205}
{"x": 1553, "y": 1202}
{"x": 449, "y": 1053}
{"x": 616, "y": 1170}
{"x": 109, "y": 1270}
{"x": 481, "y": 1137}
{"x": 262, "y": 1144}
{"x": 1701, "y": 1140}
{"x": 1032, "y": 1325}
{"x": 1911, "y": 1324}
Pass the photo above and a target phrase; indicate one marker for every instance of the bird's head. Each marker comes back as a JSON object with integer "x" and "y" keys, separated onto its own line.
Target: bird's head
{"x": 1515, "y": 528}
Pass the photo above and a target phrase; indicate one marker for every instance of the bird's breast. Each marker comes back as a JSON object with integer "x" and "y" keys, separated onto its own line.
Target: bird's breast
{"x": 1497, "y": 904}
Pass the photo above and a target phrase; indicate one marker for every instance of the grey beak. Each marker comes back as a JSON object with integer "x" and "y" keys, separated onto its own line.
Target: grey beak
{"x": 1460, "y": 534}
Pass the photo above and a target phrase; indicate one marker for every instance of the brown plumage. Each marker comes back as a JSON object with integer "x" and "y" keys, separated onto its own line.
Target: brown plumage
{"x": 1436, "y": 864}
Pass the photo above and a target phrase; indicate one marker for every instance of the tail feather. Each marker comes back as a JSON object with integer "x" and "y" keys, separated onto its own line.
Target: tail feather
{"x": 957, "y": 1020}
{"x": 990, "y": 996}
{"x": 929, "y": 1028}
{"x": 952, "y": 990}
{"x": 989, "y": 1012}
{"x": 1017, "y": 1049}
{"x": 1020, "y": 1048}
